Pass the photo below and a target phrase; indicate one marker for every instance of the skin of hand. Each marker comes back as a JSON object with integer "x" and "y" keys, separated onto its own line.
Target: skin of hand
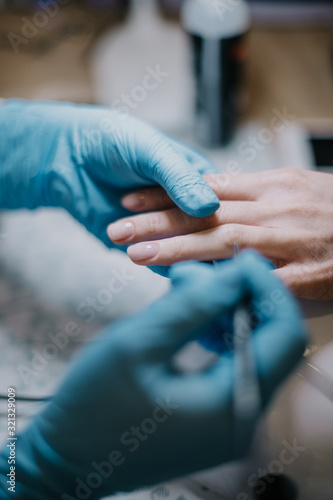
{"x": 85, "y": 158}
{"x": 124, "y": 418}
{"x": 286, "y": 215}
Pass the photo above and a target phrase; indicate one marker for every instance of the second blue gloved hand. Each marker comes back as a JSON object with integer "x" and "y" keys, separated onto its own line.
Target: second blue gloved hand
{"x": 85, "y": 158}
{"x": 123, "y": 418}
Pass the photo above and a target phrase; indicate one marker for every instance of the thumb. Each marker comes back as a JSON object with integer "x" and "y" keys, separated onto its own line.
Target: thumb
{"x": 185, "y": 186}
{"x": 199, "y": 296}
{"x": 280, "y": 335}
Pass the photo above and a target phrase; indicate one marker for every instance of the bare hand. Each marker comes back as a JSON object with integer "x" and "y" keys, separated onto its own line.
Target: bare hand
{"x": 286, "y": 215}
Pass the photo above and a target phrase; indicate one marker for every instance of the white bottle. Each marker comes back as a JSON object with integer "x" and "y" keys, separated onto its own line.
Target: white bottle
{"x": 124, "y": 57}
{"x": 217, "y": 29}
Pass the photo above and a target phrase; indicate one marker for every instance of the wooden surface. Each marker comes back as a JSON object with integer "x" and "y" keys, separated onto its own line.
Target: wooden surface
{"x": 292, "y": 68}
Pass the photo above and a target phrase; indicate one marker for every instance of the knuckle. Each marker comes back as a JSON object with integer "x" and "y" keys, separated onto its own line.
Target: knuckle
{"x": 181, "y": 219}
{"x": 223, "y": 215}
{"x": 230, "y": 234}
{"x": 152, "y": 223}
{"x": 193, "y": 224}
{"x": 218, "y": 182}
{"x": 308, "y": 209}
{"x": 176, "y": 250}
{"x": 302, "y": 209}
{"x": 292, "y": 178}
{"x": 286, "y": 177}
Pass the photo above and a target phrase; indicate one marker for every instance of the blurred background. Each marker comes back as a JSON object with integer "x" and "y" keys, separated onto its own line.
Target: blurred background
{"x": 290, "y": 45}
{"x": 99, "y": 52}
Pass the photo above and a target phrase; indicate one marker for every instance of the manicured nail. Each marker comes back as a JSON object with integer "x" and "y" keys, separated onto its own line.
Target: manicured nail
{"x": 120, "y": 231}
{"x": 134, "y": 201}
{"x": 143, "y": 251}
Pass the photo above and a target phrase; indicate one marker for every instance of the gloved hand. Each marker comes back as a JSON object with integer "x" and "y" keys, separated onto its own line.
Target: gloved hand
{"x": 123, "y": 418}
{"x": 85, "y": 158}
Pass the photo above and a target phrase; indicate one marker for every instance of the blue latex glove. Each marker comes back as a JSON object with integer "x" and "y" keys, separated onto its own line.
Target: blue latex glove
{"x": 122, "y": 394}
{"x": 85, "y": 158}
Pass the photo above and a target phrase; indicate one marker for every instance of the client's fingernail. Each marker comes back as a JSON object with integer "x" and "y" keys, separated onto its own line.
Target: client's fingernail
{"x": 120, "y": 231}
{"x": 133, "y": 201}
{"x": 143, "y": 251}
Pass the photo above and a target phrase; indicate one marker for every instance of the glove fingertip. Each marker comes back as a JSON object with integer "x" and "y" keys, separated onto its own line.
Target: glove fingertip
{"x": 199, "y": 202}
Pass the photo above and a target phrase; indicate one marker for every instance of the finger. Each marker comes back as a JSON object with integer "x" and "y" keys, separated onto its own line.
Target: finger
{"x": 199, "y": 296}
{"x": 146, "y": 200}
{"x": 174, "y": 222}
{"x": 308, "y": 281}
{"x": 238, "y": 186}
{"x": 183, "y": 184}
{"x": 212, "y": 244}
{"x": 247, "y": 187}
{"x": 279, "y": 336}
{"x": 279, "y": 339}
{"x": 292, "y": 275}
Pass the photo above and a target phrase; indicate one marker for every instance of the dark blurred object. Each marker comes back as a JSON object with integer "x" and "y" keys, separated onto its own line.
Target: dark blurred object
{"x": 108, "y": 3}
{"x": 118, "y": 6}
{"x": 170, "y": 8}
{"x": 220, "y": 50}
{"x": 275, "y": 487}
{"x": 292, "y": 12}
{"x": 322, "y": 148}
{"x": 39, "y": 27}
{"x": 16, "y": 4}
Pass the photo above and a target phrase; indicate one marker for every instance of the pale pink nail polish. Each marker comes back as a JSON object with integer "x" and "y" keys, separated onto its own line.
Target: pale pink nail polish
{"x": 120, "y": 231}
{"x": 133, "y": 201}
{"x": 143, "y": 251}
